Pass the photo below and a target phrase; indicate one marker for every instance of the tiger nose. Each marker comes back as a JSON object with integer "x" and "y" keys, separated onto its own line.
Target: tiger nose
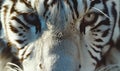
{"x": 79, "y": 66}
{"x": 42, "y": 68}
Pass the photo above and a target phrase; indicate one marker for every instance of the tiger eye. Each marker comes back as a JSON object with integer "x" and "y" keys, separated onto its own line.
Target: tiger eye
{"x": 30, "y": 16}
{"x": 89, "y": 17}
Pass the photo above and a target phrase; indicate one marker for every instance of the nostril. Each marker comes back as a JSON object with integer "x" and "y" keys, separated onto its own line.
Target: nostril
{"x": 41, "y": 66}
{"x": 79, "y": 66}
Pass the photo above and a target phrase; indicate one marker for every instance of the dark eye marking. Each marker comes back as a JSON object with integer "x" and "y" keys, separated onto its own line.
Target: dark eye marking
{"x": 33, "y": 19}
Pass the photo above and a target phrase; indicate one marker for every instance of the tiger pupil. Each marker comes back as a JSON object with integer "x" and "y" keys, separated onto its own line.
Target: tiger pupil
{"x": 89, "y": 15}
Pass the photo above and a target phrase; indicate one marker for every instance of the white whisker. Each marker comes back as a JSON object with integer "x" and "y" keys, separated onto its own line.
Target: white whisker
{"x": 102, "y": 12}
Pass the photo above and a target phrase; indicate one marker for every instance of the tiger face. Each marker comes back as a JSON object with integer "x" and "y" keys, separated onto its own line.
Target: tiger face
{"x": 73, "y": 35}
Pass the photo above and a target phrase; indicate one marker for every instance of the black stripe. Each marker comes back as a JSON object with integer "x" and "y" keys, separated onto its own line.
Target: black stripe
{"x": 46, "y": 7}
{"x": 103, "y": 22}
{"x": 13, "y": 6}
{"x": 20, "y": 27}
{"x": 27, "y": 4}
{"x": 97, "y": 51}
{"x": 75, "y": 3}
{"x": 20, "y": 22}
{"x": 20, "y": 41}
{"x": 93, "y": 57}
{"x": 13, "y": 9}
{"x": 95, "y": 34}
{"x": 98, "y": 30}
{"x": 20, "y": 34}
{"x": 98, "y": 40}
{"x": 117, "y": 44}
{"x": 114, "y": 12}
{"x": 5, "y": 8}
{"x": 24, "y": 53}
{"x": 94, "y": 2}
{"x": 105, "y": 10}
{"x": 22, "y": 46}
{"x": 119, "y": 21}
{"x": 13, "y": 29}
{"x": 0, "y": 25}
{"x": 82, "y": 26}
{"x": 98, "y": 46}
{"x": 1, "y": 1}
{"x": 105, "y": 33}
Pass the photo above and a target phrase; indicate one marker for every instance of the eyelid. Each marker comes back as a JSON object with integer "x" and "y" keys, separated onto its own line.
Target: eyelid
{"x": 91, "y": 13}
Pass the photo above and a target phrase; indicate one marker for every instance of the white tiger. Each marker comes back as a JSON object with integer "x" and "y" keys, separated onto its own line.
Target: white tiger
{"x": 61, "y": 35}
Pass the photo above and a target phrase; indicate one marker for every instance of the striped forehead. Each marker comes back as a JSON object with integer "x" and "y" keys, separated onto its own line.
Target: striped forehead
{"x": 79, "y": 6}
